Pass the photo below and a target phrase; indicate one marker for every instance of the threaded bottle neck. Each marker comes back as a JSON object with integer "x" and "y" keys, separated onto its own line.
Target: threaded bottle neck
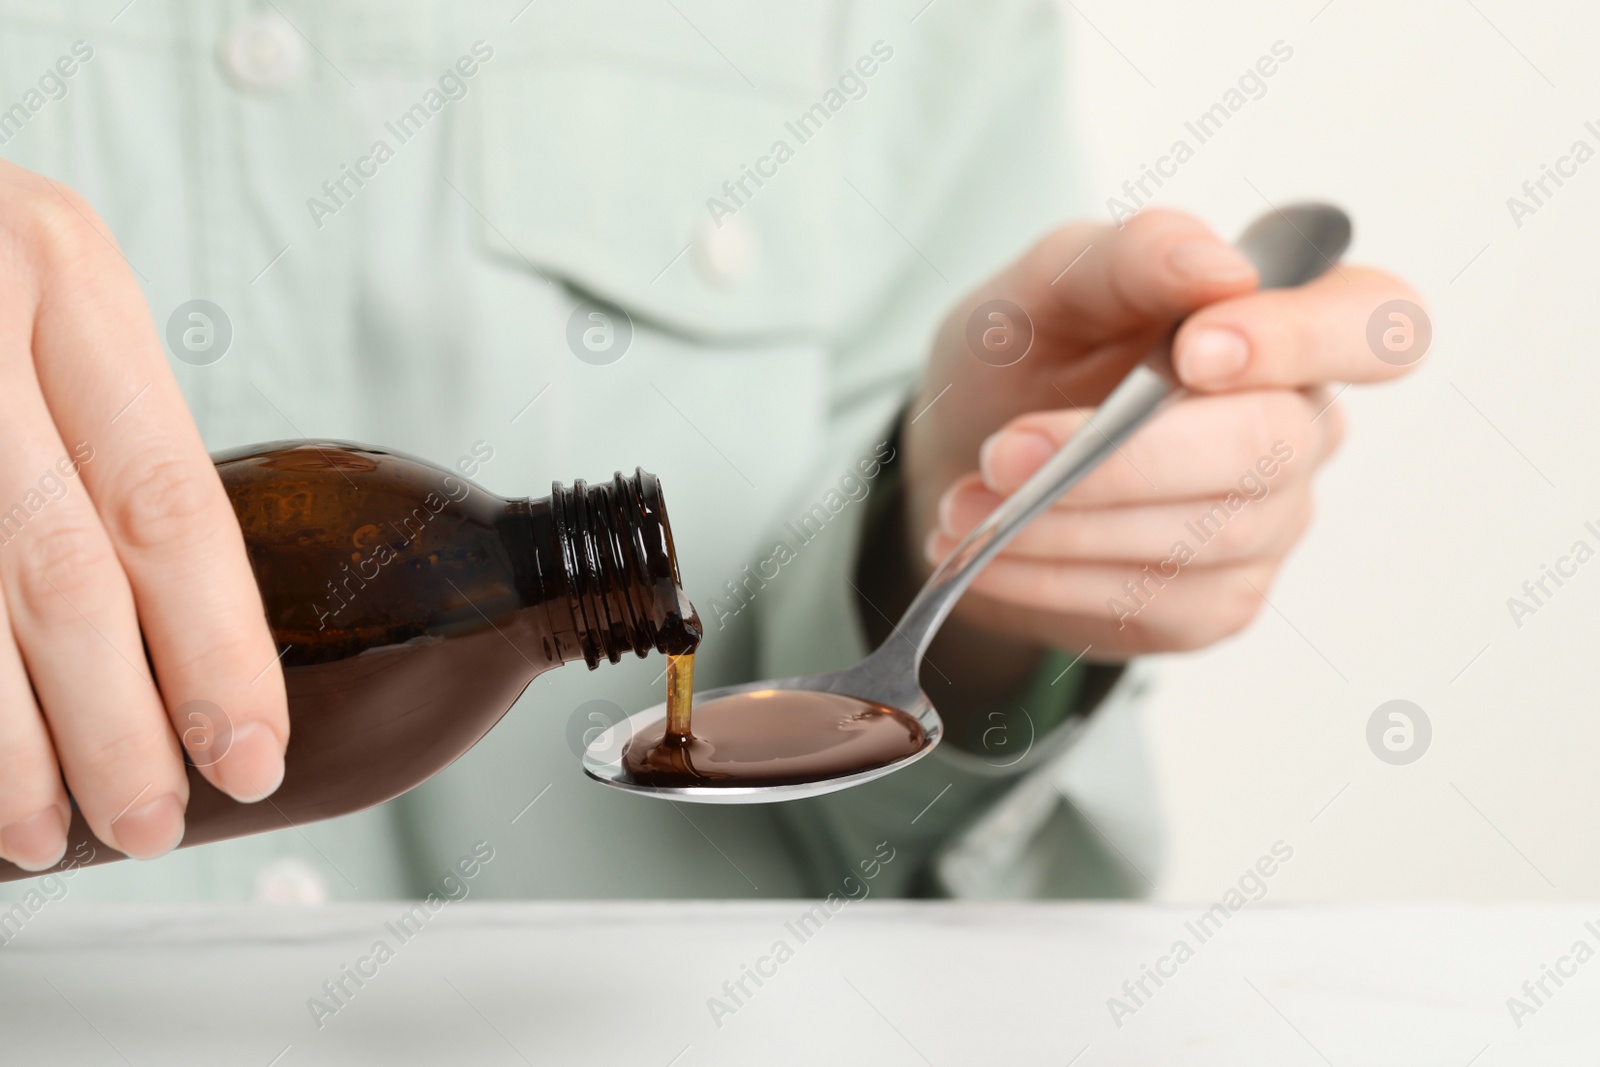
{"x": 620, "y": 569}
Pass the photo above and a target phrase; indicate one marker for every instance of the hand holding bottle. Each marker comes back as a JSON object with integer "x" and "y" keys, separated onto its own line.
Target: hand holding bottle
{"x": 112, "y": 521}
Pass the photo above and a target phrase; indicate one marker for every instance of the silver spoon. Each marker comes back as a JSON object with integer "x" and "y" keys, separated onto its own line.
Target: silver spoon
{"x": 1289, "y": 247}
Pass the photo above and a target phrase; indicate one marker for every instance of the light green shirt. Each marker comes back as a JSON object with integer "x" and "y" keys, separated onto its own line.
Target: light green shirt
{"x": 411, "y": 214}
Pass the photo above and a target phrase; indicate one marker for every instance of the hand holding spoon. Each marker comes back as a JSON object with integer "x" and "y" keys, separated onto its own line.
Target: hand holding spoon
{"x": 799, "y": 737}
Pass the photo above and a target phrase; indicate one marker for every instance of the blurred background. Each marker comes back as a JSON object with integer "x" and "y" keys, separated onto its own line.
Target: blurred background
{"x": 1455, "y": 486}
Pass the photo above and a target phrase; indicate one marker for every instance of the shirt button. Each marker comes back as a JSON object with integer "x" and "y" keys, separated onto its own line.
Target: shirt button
{"x": 290, "y": 880}
{"x": 724, "y": 250}
{"x": 262, "y": 53}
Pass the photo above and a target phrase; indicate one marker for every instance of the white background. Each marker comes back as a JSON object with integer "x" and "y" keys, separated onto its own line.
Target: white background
{"x": 1455, "y": 485}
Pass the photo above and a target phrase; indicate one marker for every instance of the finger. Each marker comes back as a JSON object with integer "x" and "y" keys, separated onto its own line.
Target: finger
{"x": 1206, "y": 533}
{"x": 107, "y": 382}
{"x": 1084, "y": 283}
{"x": 1131, "y": 609}
{"x": 73, "y": 618}
{"x": 34, "y": 811}
{"x": 1243, "y": 444}
{"x": 1330, "y": 419}
{"x": 1316, "y": 333}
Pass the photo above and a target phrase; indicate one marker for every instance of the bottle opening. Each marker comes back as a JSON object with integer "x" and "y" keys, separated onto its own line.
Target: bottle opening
{"x": 622, "y": 569}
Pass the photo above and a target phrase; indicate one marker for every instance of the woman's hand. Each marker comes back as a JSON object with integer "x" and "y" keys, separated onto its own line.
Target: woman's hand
{"x": 1173, "y": 542}
{"x": 112, "y": 521}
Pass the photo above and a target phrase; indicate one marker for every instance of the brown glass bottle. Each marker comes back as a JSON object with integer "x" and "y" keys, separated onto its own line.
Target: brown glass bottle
{"x": 413, "y": 608}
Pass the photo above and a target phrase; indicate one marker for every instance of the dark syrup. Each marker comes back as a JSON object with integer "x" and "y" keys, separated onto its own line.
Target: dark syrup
{"x": 770, "y": 737}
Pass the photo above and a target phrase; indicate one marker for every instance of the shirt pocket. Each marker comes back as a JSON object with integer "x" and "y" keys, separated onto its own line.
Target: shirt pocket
{"x": 680, "y": 194}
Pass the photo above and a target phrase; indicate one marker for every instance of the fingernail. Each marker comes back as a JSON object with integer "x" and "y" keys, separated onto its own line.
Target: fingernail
{"x": 930, "y": 547}
{"x": 1007, "y": 458}
{"x": 37, "y": 842}
{"x": 1210, "y": 261}
{"x": 1211, "y": 356}
{"x": 151, "y": 830}
{"x": 947, "y": 504}
{"x": 253, "y": 766}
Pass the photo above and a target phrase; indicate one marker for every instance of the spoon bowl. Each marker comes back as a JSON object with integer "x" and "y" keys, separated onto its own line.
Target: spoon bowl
{"x": 1289, "y": 246}
{"x": 603, "y": 758}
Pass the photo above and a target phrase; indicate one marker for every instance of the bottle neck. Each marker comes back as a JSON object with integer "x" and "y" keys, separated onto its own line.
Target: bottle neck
{"x": 599, "y": 560}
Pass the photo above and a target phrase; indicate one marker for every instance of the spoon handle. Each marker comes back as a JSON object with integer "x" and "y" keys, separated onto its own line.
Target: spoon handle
{"x": 1288, "y": 246}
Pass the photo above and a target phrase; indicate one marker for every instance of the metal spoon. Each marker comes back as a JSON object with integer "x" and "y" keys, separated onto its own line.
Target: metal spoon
{"x": 1289, "y": 246}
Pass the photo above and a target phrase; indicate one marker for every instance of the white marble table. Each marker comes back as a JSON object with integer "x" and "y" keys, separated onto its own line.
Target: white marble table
{"x": 876, "y": 983}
